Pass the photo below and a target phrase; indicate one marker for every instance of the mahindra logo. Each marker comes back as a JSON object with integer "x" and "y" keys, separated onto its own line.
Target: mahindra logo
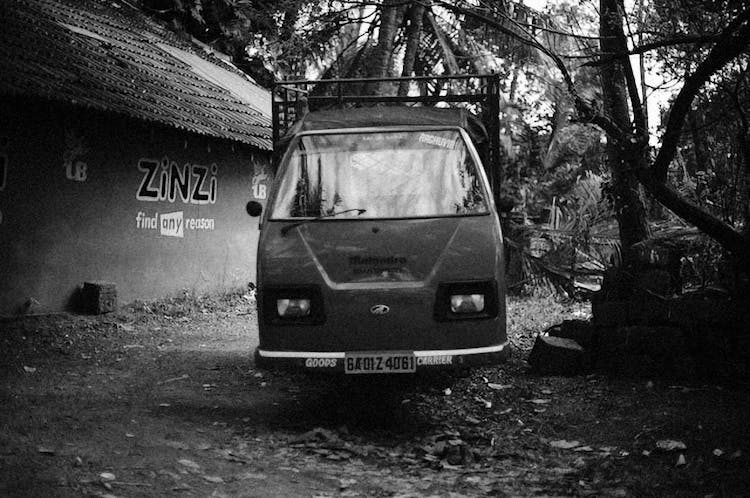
{"x": 379, "y": 309}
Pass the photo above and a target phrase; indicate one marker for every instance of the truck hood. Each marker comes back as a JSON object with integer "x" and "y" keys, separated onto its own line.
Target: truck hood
{"x": 367, "y": 253}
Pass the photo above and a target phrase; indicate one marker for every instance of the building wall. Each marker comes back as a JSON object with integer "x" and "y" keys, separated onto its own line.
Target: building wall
{"x": 87, "y": 195}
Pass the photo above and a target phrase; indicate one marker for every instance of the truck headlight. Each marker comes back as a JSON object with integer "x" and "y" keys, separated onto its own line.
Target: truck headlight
{"x": 467, "y": 303}
{"x": 293, "y": 308}
{"x": 291, "y": 305}
{"x": 468, "y": 300}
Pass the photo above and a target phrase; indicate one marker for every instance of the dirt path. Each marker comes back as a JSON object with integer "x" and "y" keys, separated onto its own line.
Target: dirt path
{"x": 164, "y": 400}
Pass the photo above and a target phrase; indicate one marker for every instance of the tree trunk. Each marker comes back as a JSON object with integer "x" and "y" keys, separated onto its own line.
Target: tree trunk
{"x": 623, "y": 159}
{"x": 381, "y": 56}
{"x": 449, "y": 58}
{"x": 416, "y": 13}
{"x": 699, "y": 148}
{"x": 743, "y": 183}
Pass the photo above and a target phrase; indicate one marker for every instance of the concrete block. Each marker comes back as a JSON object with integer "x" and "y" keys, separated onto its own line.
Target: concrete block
{"x": 658, "y": 342}
{"x": 581, "y": 331}
{"x": 722, "y": 314}
{"x": 644, "y": 350}
{"x": 615, "y": 313}
{"x": 617, "y": 284}
{"x": 654, "y": 281}
{"x": 556, "y": 356}
{"x": 99, "y": 297}
{"x": 31, "y": 307}
{"x": 650, "y": 310}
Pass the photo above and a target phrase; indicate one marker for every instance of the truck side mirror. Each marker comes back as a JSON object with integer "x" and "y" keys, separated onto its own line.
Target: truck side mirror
{"x": 254, "y": 208}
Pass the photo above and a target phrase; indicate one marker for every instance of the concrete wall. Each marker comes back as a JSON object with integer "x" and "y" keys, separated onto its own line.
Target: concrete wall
{"x": 86, "y": 195}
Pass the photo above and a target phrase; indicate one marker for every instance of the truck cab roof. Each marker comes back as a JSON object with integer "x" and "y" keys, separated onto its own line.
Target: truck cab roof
{"x": 374, "y": 117}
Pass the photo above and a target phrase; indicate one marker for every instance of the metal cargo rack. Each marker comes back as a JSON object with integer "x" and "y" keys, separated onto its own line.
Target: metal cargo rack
{"x": 478, "y": 93}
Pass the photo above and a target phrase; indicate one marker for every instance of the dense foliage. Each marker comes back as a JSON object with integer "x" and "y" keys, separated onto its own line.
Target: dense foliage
{"x": 574, "y": 108}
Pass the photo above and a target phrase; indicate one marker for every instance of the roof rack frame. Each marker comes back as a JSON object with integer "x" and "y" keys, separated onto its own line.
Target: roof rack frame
{"x": 286, "y": 100}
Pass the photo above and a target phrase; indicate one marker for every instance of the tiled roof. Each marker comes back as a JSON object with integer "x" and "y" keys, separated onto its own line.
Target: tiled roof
{"x": 106, "y": 55}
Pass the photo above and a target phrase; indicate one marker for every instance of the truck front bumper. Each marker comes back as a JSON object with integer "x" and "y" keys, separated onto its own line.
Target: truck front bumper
{"x": 334, "y": 362}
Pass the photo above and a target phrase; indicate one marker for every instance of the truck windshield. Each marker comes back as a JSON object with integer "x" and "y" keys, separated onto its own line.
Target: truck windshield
{"x": 387, "y": 174}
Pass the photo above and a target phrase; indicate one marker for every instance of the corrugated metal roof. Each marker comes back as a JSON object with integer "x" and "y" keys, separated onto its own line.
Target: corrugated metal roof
{"x": 107, "y": 55}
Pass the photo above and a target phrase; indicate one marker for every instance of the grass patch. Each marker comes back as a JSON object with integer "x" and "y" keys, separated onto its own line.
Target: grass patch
{"x": 528, "y": 316}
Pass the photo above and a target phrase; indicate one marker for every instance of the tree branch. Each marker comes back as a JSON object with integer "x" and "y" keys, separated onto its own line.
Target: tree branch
{"x": 647, "y": 47}
{"x": 727, "y": 236}
{"x": 732, "y": 42}
{"x": 635, "y": 102}
{"x": 448, "y": 55}
{"x": 524, "y": 36}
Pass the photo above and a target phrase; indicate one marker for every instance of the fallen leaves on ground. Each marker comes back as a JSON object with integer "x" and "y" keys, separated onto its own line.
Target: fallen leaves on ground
{"x": 670, "y": 445}
{"x": 495, "y": 431}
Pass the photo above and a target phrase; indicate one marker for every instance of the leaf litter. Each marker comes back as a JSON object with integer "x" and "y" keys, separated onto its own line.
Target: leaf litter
{"x": 455, "y": 435}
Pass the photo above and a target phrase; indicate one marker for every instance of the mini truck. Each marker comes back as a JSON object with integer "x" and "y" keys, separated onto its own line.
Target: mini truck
{"x": 380, "y": 248}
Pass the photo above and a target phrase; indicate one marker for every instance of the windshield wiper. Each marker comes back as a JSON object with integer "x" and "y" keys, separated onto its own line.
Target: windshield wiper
{"x": 286, "y": 229}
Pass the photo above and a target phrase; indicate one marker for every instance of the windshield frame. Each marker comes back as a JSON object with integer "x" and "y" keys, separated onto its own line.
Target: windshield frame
{"x": 284, "y": 165}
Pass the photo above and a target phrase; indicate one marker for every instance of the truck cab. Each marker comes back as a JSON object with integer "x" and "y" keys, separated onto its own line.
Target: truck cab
{"x": 380, "y": 248}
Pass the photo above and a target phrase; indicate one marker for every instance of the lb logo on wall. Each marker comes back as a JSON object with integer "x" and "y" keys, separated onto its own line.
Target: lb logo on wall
{"x": 75, "y": 169}
{"x": 260, "y": 186}
{"x": 172, "y": 224}
{"x": 165, "y": 181}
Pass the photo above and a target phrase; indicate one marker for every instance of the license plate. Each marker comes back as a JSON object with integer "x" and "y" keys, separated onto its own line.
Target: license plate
{"x": 371, "y": 363}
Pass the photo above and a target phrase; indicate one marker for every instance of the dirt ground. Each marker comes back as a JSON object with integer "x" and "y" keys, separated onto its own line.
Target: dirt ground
{"x": 163, "y": 399}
